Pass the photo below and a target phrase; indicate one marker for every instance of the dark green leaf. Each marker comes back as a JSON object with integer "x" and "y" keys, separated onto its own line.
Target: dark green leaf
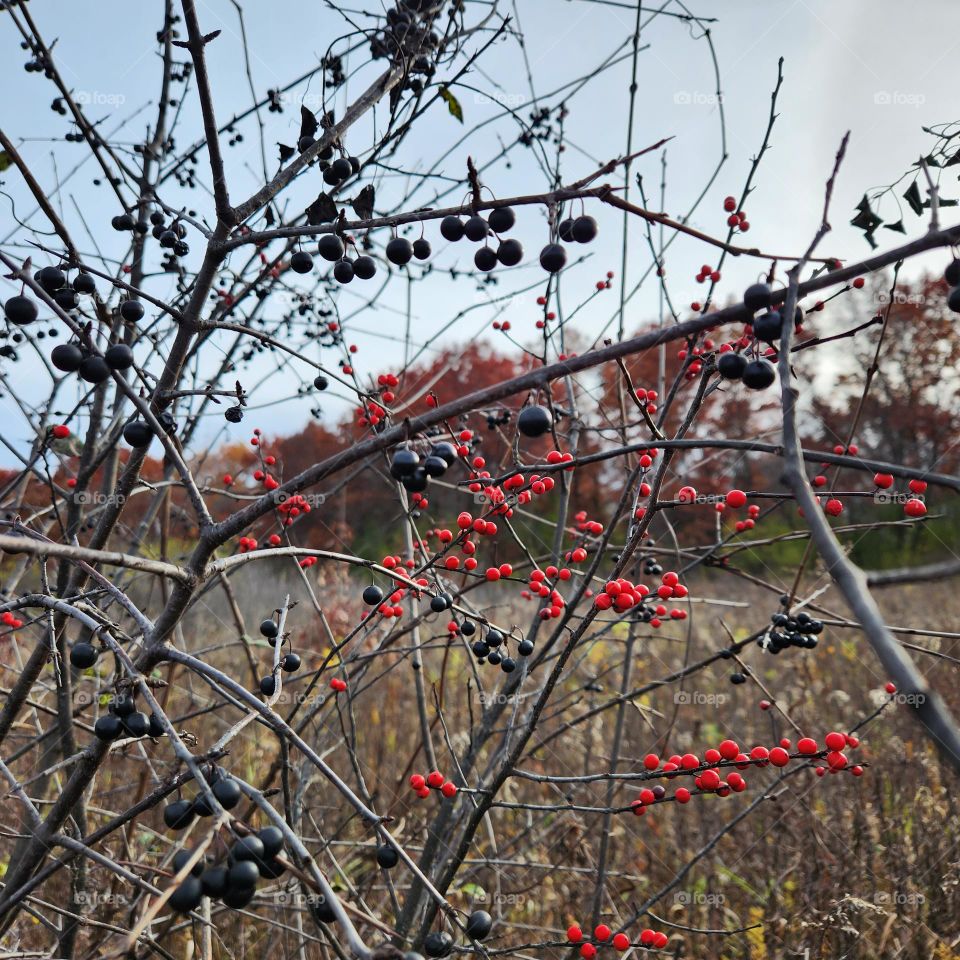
{"x": 912, "y": 196}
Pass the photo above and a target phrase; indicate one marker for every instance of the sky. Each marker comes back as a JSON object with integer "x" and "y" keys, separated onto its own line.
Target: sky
{"x": 882, "y": 70}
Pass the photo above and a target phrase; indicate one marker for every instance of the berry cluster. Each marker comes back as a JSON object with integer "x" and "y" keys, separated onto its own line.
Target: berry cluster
{"x": 439, "y": 943}
{"x": 125, "y": 719}
{"x": 649, "y": 939}
{"x": 289, "y": 662}
{"x": 801, "y": 630}
{"x": 708, "y": 771}
{"x": 415, "y": 475}
{"x": 234, "y": 881}
{"x": 422, "y": 785}
{"x": 582, "y": 229}
{"x": 14, "y": 623}
{"x": 488, "y": 649}
{"x": 622, "y": 595}
{"x": 509, "y": 252}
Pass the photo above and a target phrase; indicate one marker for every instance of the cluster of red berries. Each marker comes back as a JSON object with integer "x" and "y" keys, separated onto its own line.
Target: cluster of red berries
{"x": 539, "y": 586}
{"x": 737, "y": 219}
{"x": 913, "y": 507}
{"x": 338, "y": 685}
{"x": 696, "y": 365}
{"x": 9, "y": 620}
{"x": 422, "y": 785}
{"x": 388, "y": 381}
{"x": 371, "y": 414}
{"x": 652, "y": 939}
{"x": 707, "y": 778}
{"x": 622, "y": 595}
{"x": 292, "y": 507}
{"x": 605, "y": 284}
{"x": 707, "y": 272}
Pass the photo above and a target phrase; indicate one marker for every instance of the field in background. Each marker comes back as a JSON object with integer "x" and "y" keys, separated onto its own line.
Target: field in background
{"x": 838, "y": 867}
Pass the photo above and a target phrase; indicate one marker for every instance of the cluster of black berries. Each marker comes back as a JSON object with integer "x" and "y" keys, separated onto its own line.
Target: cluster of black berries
{"x": 139, "y": 433}
{"x": 415, "y": 474}
{"x": 124, "y": 719}
{"x": 407, "y": 32}
{"x": 21, "y": 310}
{"x": 799, "y": 631}
{"x": 169, "y": 235}
{"x": 476, "y": 229}
{"x": 488, "y": 649}
{"x": 289, "y": 662}
{"x": 583, "y": 229}
{"x": 250, "y": 859}
{"x": 440, "y": 943}
{"x": 331, "y": 248}
{"x": 498, "y": 419}
{"x": 759, "y": 373}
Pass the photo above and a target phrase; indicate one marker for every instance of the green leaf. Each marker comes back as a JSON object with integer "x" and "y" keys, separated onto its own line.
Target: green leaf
{"x": 453, "y": 104}
{"x": 5, "y": 161}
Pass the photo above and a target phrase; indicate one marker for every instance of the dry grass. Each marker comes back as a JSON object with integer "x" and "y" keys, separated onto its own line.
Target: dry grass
{"x": 834, "y": 867}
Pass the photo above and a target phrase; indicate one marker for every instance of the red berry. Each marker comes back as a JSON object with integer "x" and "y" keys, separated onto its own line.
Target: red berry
{"x": 435, "y": 779}
{"x": 836, "y": 760}
{"x": 914, "y": 508}
{"x": 890, "y": 688}
{"x": 917, "y": 486}
{"x": 651, "y": 761}
{"x": 807, "y": 746}
{"x": 834, "y": 507}
{"x": 60, "y": 431}
{"x": 574, "y": 933}
{"x": 449, "y": 789}
{"x": 602, "y": 932}
{"x": 729, "y": 750}
{"x": 779, "y": 757}
{"x": 735, "y": 499}
{"x": 588, "y": 951}
{"x": 835, "y": 741}
{"x": 621, "y": 941}
{"x": 682, "y": 795}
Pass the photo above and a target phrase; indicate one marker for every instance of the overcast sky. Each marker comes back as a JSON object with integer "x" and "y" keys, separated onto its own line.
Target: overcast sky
{"x": 882, "y": 70}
